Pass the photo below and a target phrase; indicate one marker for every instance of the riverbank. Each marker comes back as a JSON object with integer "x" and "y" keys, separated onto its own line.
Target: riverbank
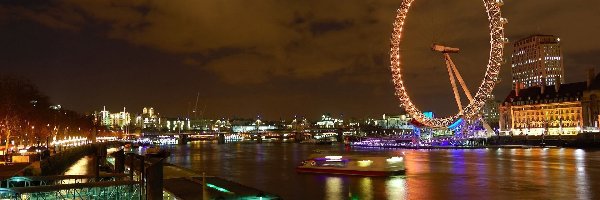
{"x": 507, "y": 146}
{"x": 582, "y": 140}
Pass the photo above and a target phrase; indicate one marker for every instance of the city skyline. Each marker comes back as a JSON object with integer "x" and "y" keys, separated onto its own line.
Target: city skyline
{"x": 286, "y": 99}
{"x": 296, "y": 61}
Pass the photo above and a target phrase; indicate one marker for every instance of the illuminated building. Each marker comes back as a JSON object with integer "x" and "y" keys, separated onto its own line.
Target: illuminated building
{"x": 537, "y": 61}
{"x": 177, "y": 124}
{"x": 298, "y": 124}
{"x": 254, "y": 125}
{"x": 120, "y": 119}
{"x": 104, "y": 118}
{"x": 395, "y": 122}
{"x": 201, "y": 124}
{"x": 329, "y": 122}
{"x": 548, "y": 110}
{"x": 221, "y": 125}
{"x": 56, "y": 107}
{"x": 113, "y": 120}
{"x": 148, "y": 119}
{"x": 251, "y": 128}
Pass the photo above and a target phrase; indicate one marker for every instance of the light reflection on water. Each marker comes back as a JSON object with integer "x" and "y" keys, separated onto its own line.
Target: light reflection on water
{"x": 333, "y": 186}
{"x": 582, "y": 180}
{"x": 366, "y": 188}
{"x": 395, "y": 188}
{"x": 431, "y": 174}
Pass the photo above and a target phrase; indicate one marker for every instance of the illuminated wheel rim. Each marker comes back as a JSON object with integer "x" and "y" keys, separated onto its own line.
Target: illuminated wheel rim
{"x": 497, "y": 40}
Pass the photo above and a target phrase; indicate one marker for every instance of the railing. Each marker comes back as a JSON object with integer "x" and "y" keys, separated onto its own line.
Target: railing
{"x": 142, "y": 181}
{"x": 28, "y": 181}
{"x": 90, "y": 190}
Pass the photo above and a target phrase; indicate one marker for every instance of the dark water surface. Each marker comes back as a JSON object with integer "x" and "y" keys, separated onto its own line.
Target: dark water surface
{"x": 431, "y": 174}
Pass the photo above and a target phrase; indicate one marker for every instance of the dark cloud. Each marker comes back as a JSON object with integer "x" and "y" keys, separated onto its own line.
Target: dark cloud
{"x": 319, "y": 28}
{"x": 279, "y": 55}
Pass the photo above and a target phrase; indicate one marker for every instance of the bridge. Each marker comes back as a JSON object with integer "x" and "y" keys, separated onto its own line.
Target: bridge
{"x": 223, "y": 137}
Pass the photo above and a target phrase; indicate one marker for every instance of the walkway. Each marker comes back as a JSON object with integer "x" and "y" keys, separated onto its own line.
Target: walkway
{"x": 186, "y": 184}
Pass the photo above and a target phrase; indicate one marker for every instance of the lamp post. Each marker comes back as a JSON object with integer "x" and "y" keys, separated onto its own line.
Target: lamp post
{"x": 32, "y": 134}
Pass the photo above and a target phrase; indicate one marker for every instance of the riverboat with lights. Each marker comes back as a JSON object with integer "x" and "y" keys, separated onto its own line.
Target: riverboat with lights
{"x": 353, "y": 165}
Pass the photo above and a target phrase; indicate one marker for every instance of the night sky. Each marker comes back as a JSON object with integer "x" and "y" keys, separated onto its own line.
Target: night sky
{"x": 273, "y": 58}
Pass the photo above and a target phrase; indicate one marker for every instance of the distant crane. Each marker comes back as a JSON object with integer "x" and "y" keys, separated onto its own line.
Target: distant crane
{"x": 196, "y": 106}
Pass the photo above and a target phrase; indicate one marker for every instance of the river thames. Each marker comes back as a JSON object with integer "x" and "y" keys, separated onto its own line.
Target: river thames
{"x": 549, "y": 173}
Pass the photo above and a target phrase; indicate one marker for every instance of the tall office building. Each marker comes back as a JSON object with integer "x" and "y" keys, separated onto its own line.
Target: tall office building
{"x": 112, "y": 120}
{"x": 537, "y": 61}
{"x": 104, "y": 118}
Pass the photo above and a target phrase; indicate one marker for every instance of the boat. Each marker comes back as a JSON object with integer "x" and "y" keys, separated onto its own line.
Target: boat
{"x": 353, "y": 165}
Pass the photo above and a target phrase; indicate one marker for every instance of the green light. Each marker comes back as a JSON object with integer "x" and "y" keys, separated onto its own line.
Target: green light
{"x": 220, "y": 189}
{"x": 19, "y": 179}
{"x": 4, "y": 191}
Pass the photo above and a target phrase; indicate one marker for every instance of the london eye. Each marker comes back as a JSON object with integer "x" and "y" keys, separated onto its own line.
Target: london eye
{"x": 490, "y": 78}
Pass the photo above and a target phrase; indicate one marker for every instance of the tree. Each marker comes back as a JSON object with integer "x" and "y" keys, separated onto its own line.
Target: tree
{"x": 25, "y": 113}
{"x": 22, "y": 107}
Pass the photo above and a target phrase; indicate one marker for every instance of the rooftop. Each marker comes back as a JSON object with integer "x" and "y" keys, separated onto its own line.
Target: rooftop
{"x": 566, "y": 92}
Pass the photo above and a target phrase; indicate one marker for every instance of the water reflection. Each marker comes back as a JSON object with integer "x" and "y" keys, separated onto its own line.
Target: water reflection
{"x": 333, "y": 187}
{"x": 581, "y": 176}
{"x": 366, "y": 188}
{"x": 395, "y": 188}
{"x": 431, "y": 174}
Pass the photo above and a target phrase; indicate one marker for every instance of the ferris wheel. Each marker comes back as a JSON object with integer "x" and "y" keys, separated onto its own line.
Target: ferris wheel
{"x": 470, "y": 111}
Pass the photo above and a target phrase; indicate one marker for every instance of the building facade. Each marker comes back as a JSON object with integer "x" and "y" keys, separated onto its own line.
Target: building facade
{"x": 591, "y": 104}
{"x": 537, "y": 61}
{"x": 176, "y": 125}
{"x": 149, "y": 119}
{"x": 110, "y": 120}
{"x": 543, "y": 110}
{"x": 103, "y": 117}
{"x": 395, "y": 122}
{"x": 121, "y": 119}
{"x": 329, "y": 122}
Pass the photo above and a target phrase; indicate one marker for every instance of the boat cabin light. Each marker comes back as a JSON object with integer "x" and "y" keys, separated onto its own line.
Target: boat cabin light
{"x": 333, "y": 158}
{"x": 394, "y": 159}
{"x": 364, "y": 163}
